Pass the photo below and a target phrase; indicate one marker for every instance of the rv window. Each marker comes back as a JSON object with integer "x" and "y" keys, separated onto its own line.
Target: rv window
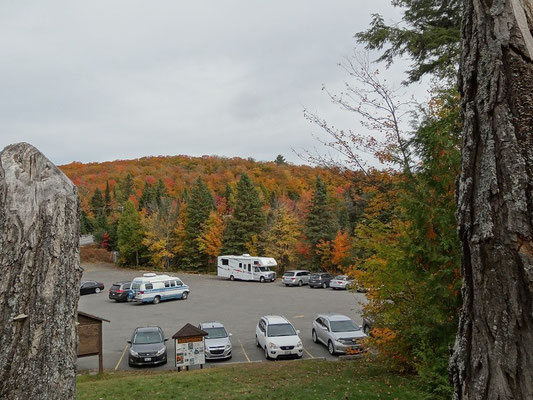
{"x": 148, "y": 286}
{"x": 240, "y": 265}
{"x": 257, "y": 269}
{"x": 256, "y": 262}
{"x": 172, "y": 283}
{"x": 167, "y": 284}
{"x": 249, "y": 268}
{"x": 225, "y": 261}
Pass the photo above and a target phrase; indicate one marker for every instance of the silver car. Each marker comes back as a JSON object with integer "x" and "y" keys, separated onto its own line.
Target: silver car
{"x": 296, "y": 277}
{"x": 341, "y": 282}
{"x": 339, "y": 333}
{"x": 217, "y": 342}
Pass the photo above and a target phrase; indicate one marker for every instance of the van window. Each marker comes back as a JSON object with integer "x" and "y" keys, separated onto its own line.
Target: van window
{"x": 148, "y": 286}
{"x": 173, "y": 283}
{"x": 179, "y": 283}
{"x": 136, "y": 285}
{"x": 225, "y": 261}
{"x": 167, "y": 284}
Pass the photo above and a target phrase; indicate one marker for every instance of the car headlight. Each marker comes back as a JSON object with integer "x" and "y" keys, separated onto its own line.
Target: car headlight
{"x": 299, "y": 344}
{"x": 228, "y": 346}
{"x": 134, "y": 353}
{"x": 161, "y": 352}
{"x": 272, "y": 345}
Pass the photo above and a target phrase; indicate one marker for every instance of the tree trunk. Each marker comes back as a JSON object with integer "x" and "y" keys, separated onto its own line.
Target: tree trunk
{"x": 493, "y": 353}
{"x": 39, "y": 277}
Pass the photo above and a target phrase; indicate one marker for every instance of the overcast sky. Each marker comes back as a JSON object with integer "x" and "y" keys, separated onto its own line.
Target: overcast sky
{"x": 105, "y": 80}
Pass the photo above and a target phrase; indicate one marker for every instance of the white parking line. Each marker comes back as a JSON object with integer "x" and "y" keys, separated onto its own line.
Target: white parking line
{"x": 244, "y": 351}
{"x": 309, "y": 354}
{"x": 299, "y": 316}
{"x": 121, "y": 357}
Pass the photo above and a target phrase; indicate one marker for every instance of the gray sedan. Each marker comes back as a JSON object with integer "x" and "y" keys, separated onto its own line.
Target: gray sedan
{"x": 339, "y": 333}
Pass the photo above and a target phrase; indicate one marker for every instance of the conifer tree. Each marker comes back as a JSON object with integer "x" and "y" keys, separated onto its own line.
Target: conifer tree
{"x": 130, "y": 235}
{"x": 126, "y": 188}
{"x": 280, "y": 160}
{"x": 320, "y": 224}
{"x": 248, "y": 218}
{"x": 199, "y": 206}
{"x": 107, "y": 199}
{"x": 97, "y": 202}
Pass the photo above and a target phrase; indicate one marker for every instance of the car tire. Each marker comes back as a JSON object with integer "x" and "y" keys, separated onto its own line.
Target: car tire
{"x": 313, "y": 334}
{"x": 366, "y": 330}
{"x": 324, "y": 285}
{"x": 185, "y": 296}
{"x": 97, "y": 290}
{"x": 331, "y": 348}
{"x": 262, "y": 279}
{"x": 157, "y": 299}
{"x": 300, "y": 283}
{"x": 287, "y": 285}
{"x": 231, "y": 278}
{"x": 257, "y": 342}
{"x": 266, "y": 353}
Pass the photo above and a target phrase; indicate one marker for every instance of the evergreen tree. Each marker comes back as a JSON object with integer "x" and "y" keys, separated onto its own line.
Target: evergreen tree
{"x": 147, "y": 198}
{"x": 247, "y": 221}
{"x": 198, "y": 209}
{"x": 320, "y": 224}
{"x": 228, "y": 196}
{"x": 280, "y": 160}
{"x": 97, "y": 203}
{"x": 125, "y": 189}
{"x": 107, "y": 199}
{"x": 130, "y": 235}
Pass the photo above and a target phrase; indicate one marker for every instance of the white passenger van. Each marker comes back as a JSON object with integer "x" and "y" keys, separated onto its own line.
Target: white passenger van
{"x": 247, "y": 268}
{"x": 152, "y": 288}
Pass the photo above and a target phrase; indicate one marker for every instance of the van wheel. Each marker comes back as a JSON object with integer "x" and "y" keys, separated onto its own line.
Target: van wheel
{"x": 231, "y": 278}
{"x": 185, "y": 295}
{"x": 324, "y": 285}
{"x": 157, "y": 299}
{"x": 331, "y": 349}
{"x": 262, "y": 279}
{"x": 300, "y": 283}
{"x": 315, "y": 339}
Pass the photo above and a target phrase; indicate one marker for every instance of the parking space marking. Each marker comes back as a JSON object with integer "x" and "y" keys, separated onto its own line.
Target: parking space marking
{"x": 299, "y": 316}
{"x": 121, "y": 357}
{"x": 309, "y": 354}
{"x": 244, "y": 351}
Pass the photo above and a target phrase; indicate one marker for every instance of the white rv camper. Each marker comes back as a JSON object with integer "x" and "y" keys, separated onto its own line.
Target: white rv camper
{"x": 247, "y": 268}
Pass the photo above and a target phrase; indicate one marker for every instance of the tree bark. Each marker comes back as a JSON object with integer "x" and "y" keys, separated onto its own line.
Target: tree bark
{"x": 39, "y": 277}
{"x": 493, "y": 353}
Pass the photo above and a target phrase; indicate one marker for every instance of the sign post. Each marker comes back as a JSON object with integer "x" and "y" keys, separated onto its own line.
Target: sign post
{"x": 189, "y": 347}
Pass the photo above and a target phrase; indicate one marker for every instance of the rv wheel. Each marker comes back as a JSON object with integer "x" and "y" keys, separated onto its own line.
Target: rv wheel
{"x": 231, "y": 278}
{"x": 262, "y": 279}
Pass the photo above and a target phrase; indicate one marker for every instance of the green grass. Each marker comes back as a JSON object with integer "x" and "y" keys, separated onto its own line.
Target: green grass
{"x": 312, "y": 379}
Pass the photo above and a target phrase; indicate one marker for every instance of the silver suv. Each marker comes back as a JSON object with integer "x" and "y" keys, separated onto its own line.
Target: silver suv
{"x": 296, "y": 277}
{"x": 217, "y": 342}
{"x": 339, "y": 333}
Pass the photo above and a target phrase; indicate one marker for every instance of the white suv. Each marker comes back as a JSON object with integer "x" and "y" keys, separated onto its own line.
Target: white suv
{"x": 277, "y": 336}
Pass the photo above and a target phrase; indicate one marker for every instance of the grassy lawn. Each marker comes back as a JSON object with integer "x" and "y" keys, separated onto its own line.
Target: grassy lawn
{"x": 312, "y": 379}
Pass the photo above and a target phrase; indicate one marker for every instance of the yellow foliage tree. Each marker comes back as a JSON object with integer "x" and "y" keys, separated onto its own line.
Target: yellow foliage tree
{"x": 282, "y": 237}
{"x": 210, "y": 240}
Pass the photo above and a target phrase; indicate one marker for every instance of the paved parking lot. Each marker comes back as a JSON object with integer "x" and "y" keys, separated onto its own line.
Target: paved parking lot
{"x": 238, "y": 305}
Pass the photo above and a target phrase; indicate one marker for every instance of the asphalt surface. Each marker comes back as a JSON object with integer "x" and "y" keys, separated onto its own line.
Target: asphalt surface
{"x": 238, "y": 305}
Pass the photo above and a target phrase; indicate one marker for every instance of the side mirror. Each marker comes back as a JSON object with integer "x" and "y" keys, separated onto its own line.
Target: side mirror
{"x": 129, "y": 342}
{"x": 231, "y": 334}
{"x": 360, "y": 326}
{"x": 166, "y": 339}
{"x": 298, "y": 331}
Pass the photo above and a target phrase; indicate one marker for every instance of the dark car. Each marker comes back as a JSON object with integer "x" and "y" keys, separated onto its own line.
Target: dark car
{"x": 320, "y": 279}
{"x": 87, "y": 287}
{"x": 119, "y": 291}
{"x": 147, "y": 347}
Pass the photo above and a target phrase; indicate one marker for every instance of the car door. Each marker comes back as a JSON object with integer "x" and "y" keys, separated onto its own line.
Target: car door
{"x": 261, "y": 332}
{"x": 327, "y": 331}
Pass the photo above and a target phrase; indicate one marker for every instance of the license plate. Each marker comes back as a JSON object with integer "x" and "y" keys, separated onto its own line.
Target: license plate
{"x": 148, "y": 359}
{"x": 287, "y": 352}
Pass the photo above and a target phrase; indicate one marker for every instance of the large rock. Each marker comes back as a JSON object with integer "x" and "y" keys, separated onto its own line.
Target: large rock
{"x": 39, "y": 276}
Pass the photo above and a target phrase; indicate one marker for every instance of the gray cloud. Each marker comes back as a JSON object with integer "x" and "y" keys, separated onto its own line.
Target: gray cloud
{"x": 103, "y": 80}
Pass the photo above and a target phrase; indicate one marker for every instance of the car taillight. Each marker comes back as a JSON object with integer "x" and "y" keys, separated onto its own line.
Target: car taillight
{"x": 120, "y": 291}
{"x": 142, "y": 292}
{"x": 293, "y": 278}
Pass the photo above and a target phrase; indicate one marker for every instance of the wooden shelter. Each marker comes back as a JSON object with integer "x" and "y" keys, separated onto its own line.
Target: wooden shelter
{"x": 90, "y": 342}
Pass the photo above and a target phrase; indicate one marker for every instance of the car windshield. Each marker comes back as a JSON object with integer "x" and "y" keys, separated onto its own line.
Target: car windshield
{"x": 149, "y": 337}
{"x": 280, "y": 330}
{"x": 215, "y": 333}
{"x": 315, "y": 276}
{"x": 264, "y": 269}
{"x": 341, "y": 277}
{"x": 136, "y": 285}
{"x": 344, "y": 326}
